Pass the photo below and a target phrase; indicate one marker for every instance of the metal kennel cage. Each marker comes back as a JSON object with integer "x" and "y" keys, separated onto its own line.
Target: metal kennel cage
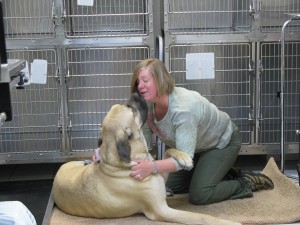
{"x": 28, "y": 19}
{"x": 229, "y": 90}
{"x": 90, "y": 50}
{"x": 244, "y": 38}
{"x": 284, "y": 82}
{"x": 107, "y": 18}
{"x": 98, "y": 79}
{"x": 194, "y": 17}
{"x": 34, "y": 128}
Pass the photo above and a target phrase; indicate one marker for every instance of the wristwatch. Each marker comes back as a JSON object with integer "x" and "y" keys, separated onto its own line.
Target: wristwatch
{"x": 155, "y": 171}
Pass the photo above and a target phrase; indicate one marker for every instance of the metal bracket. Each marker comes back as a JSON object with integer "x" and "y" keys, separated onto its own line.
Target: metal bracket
{"x": 255, "y": 8}
{"x": 57, "y": 16}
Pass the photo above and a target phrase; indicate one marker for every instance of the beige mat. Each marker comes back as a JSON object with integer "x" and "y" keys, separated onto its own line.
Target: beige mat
{"x": 281, "y": 205}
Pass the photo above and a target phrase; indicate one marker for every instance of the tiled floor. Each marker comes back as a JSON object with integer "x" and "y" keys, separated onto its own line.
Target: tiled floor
{"x": 31, "y": 184}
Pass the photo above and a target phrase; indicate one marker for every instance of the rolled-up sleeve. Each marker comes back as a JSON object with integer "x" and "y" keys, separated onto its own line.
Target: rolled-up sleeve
{"x": 185, "y": 126}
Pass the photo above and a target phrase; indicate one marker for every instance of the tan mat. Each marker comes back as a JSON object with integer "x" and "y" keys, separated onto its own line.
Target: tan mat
{"x": 280, "y": 205}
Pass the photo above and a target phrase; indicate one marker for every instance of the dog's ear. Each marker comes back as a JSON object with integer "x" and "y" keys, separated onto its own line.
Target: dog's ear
{"x": 122, "y": 142}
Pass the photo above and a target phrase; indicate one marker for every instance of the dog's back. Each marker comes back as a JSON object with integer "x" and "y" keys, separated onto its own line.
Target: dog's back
{"x": 71, "y": 187}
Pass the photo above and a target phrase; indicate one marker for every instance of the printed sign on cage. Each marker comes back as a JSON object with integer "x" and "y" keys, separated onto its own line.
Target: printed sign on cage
{"x": 38, "y": 71}
{"x": 200, "y": 66}
{"x": 85, "y": 2}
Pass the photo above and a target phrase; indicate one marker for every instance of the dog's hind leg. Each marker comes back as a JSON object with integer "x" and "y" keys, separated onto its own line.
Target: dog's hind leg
{"x": 167, "y": 214}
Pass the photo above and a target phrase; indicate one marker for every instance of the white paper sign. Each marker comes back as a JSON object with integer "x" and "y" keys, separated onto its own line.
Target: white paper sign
{"x": 38, "y": 71}
{"x": 85, "y": 2}
{"x": 200, "y": 66}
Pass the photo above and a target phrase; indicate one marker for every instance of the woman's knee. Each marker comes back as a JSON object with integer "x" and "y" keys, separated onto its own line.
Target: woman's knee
{"x": 200, "y": 196}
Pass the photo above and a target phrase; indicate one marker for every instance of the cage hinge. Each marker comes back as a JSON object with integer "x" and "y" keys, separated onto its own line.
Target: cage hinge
{"x": 57, "y": 16}
{"x": 69, "y": 127}
{"x": 255, "y": 8}
{"x": 251, "y": 69}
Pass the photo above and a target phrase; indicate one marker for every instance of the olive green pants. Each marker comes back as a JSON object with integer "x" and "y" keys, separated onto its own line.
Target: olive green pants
{"x": 205, "y": 182}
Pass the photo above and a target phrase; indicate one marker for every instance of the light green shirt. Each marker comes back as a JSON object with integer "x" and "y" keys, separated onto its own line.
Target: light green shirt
{"x": 191, "y": 124}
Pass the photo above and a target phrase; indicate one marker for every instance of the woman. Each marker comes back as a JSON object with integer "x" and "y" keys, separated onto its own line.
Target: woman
{"x": 185, "y": 120}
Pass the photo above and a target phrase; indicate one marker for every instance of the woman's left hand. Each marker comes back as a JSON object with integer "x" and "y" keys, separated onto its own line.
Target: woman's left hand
{"x": 142, "y": 169}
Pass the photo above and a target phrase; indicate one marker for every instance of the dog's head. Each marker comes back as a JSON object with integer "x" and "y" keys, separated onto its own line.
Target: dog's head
{"x": 121, "y": 131}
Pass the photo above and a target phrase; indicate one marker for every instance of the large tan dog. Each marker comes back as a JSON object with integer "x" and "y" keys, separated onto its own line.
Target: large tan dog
{"x": 106, "y": 190}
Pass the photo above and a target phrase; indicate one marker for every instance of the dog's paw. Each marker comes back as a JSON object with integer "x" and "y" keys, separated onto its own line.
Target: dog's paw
{"x": 185, "y": 161}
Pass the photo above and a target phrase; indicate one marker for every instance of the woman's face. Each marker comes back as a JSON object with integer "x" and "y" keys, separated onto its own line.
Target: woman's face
{"x": 146, "y": 85}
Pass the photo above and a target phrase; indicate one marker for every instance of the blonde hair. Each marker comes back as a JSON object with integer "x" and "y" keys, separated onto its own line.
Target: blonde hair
{"x": 163, "y": 81}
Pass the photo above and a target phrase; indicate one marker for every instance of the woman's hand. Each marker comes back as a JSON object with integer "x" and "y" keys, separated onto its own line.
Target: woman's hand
{"x": 146, "y": 168}
{"x": 142, "y": 169}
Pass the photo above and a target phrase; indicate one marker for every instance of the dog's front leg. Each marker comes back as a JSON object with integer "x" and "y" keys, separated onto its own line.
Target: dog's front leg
{"x": 185, "y": 161}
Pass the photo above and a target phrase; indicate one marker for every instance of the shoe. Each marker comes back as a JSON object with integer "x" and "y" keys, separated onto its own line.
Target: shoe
{"x": 257, "y": 181}
{"x": 232, "y": 174}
